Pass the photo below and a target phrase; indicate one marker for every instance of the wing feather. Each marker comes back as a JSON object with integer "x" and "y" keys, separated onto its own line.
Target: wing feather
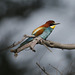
{"x": 38, "y": 31}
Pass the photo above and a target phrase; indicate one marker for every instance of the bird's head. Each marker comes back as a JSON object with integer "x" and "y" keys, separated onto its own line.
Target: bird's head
{"x": 52, "y": 23}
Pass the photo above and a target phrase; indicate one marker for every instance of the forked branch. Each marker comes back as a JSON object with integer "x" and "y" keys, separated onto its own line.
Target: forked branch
{"x": 39, "y": 40}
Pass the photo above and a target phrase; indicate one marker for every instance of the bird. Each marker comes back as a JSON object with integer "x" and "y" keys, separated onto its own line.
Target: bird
{"x": 42, "y": 31}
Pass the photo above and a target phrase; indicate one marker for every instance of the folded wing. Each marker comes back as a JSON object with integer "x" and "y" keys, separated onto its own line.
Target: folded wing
{"x": 38, "y": 31}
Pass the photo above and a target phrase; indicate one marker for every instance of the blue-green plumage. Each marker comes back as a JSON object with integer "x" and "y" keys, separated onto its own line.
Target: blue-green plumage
{"x": 26, "y": 41}
{"x": 44, "y": 35}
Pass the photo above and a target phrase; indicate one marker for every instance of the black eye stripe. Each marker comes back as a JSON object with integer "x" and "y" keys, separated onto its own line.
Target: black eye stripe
{"x": 51, "y": 24}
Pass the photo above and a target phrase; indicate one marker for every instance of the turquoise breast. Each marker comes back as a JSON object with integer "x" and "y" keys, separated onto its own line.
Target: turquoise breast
{"x": 46, "y": 33}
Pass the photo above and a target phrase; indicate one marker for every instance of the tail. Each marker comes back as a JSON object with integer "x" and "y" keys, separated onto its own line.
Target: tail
{"x": 26, "y": 41}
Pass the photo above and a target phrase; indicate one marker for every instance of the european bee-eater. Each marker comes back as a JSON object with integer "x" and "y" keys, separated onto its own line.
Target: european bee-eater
{"x": 43, "y": 31}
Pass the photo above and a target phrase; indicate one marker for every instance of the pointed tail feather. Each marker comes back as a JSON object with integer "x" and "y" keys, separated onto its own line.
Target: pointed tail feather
{"x": 26, "y": 41}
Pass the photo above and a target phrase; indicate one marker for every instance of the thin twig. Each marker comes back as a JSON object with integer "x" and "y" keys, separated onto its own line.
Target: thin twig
{"x": 56, "y": 69}
{"x": 43, "y": 69}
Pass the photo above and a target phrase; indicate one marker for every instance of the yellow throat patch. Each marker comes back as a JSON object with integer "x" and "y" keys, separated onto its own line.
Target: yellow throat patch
{"x": 53, "y": 26}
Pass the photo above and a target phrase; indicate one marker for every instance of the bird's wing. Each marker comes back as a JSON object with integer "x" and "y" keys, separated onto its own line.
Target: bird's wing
{"x": 38, "y": 31}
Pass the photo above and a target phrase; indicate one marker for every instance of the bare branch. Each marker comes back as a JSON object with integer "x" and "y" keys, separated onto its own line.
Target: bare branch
{"x": 43, "y": 69}
{"x": 39, "y": 40}
{"x": 30, "y": 44}
{"x": 59, "y": 45}
{"x": 16, "y": 43}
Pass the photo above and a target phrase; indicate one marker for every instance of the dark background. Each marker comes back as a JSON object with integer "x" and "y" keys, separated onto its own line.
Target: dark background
{"x": 19, "y": 17}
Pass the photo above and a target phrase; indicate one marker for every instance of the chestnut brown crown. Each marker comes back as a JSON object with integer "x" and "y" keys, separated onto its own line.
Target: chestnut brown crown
{"x": 50, "y": 22}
